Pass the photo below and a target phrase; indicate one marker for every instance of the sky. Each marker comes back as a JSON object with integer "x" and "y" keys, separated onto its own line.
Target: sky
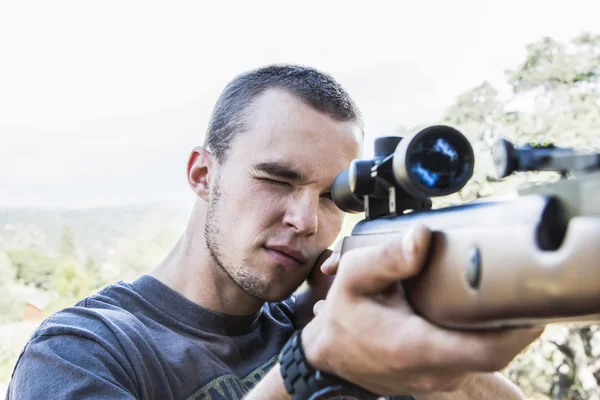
{"x": 101, "y": 102}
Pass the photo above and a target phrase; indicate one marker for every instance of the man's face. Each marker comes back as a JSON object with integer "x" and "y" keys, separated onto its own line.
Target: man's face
{"x": 271, "y": 215}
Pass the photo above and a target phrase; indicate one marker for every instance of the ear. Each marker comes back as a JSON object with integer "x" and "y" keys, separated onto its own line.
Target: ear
{"x": 200, "y": 167}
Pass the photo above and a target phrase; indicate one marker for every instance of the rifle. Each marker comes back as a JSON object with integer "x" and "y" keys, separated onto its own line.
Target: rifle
{"x": 529, "y": 261}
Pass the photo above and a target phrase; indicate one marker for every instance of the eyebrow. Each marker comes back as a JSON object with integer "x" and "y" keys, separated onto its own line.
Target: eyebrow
{"x": 280, "y": 170}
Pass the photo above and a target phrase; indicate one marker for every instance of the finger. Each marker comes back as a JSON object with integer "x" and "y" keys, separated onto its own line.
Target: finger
{"x": 323, "y": 258}
{"x": 371, "y": 270}
{"x": 318, "y": 307}
{"x": 330, "y": 266}
{"x": 489, "y": 351}
{"x": 316, "y": 273}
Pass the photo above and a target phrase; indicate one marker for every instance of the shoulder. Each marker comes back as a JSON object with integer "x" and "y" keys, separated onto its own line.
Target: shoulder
{"x": 87, "y": 345}
{"x": 105, "y": 319}
{"x": 103, "y": 316}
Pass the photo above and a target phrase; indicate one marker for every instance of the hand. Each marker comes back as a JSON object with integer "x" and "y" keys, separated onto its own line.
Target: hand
{"x": 366, "y": 332}
{"x": 320, "y": 280}
{"x": 318, "y": 285}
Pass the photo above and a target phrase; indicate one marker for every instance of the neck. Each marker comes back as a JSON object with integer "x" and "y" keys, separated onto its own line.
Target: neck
{"x": 190, "y": 270}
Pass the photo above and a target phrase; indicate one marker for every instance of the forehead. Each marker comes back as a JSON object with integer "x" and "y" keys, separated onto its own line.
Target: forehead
{"x": 282, "y": 128}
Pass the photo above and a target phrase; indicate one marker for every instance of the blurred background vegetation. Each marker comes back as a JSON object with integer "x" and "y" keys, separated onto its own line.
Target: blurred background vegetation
{"x": 50, "y": 258}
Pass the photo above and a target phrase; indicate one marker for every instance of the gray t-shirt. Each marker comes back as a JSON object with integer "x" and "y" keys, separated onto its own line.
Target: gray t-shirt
{"x": 142, "y": 340}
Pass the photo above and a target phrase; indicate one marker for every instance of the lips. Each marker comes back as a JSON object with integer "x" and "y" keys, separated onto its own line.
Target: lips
{"x": 287, "y": 254}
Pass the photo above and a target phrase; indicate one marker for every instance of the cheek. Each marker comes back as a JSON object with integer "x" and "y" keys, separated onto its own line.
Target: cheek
{"x": 258, "y": 205}
{"x": 331, "y": 223}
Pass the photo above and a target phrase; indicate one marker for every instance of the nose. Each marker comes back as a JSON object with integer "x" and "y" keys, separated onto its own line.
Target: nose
{"x": 301, "y": 214}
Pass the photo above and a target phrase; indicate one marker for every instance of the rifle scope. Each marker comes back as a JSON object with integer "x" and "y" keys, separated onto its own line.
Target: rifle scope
{"x": 406, "y": 172}
{"x": 509, "y": 158}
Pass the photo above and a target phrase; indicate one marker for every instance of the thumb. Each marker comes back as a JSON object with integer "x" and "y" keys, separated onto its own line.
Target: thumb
{"x": 329, "y": 267}
{"x": 371, "y": 270}
{"x": 317, "y": 269}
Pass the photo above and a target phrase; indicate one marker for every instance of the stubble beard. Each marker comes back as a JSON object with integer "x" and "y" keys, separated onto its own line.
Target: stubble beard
{"x": 241, "y": 274}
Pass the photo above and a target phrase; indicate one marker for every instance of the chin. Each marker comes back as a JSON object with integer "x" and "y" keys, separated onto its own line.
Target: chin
{"x": 267, "y": 282}
{"x": 268, "y": 296}
{"x": 274, "y": 292}
{"x": 269, "y": 290}
{"x": 277, "y": 297}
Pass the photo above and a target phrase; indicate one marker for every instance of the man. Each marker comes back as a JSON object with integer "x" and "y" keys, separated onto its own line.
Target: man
{"x": 210, "y": 321}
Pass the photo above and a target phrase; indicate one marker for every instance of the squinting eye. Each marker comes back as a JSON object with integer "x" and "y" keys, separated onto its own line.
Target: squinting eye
{"x": 274, "y": 182}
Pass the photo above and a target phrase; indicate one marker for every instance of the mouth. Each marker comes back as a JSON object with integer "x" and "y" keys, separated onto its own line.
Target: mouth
{"x": 286, "y": 256}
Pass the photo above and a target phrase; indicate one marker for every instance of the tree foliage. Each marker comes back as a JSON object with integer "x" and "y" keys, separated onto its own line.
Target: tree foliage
{"x": 137, "y": 255}
{"x": 8, "y": 272}
{"x": 33, "y": 267}
{"x": 67, "y": 246}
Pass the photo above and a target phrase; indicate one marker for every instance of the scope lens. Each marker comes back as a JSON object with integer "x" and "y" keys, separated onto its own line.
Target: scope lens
{"x": 436, "y": 163}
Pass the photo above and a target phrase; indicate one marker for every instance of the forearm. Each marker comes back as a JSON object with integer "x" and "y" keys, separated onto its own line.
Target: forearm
{"x": 483, "y": 386}
{"x": 270, "y": 387}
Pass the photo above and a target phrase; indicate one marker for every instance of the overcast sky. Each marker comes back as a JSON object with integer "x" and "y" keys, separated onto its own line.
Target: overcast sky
{"x": 100, "y": 102}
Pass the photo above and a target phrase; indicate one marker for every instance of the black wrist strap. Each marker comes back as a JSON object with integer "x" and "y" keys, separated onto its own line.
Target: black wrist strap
{"x": 298, "y": 376}
{"x": 303, "y": 382}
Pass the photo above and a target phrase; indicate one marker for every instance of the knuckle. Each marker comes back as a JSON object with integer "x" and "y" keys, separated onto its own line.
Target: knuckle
{"x": 391, "y": 253}
{"x": 395, "y": 254}
{"x": 402, "y": 357}
{"x": 428, "y": 384}
{"x": 396, "y": 361}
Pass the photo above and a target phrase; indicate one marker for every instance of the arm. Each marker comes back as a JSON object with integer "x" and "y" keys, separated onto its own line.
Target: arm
{"x": 270, "y": 387}
{"x": 482, "y": 386}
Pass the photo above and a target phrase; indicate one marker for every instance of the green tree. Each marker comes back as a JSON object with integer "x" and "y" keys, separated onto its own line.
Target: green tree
{"x": 70, "y": 281}
{"x": 14, "y": 294}
{"x": 476, "y": 112}
{"x": 550, "y": 67}
{"x": 67, "y": 244}
{"x": 8, "y": 272}
{"x": 138, "y": 254}
{"x": 562, "y": 81}
{"x": 33, "y": 267}
{"x": 93, "y": 272}
{"x": 69, "y": 284}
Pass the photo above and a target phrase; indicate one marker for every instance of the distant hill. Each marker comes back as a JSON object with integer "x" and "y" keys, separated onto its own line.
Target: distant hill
{"x": 96, "y": 230}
